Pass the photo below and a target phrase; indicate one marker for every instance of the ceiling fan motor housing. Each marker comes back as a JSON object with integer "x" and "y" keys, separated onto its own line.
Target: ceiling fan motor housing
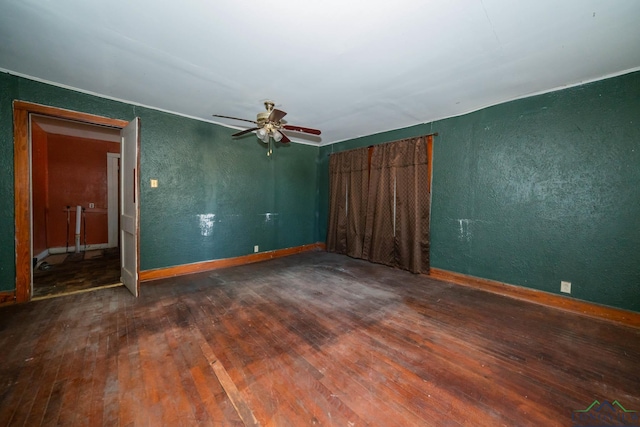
{"x": 263, "y": 118}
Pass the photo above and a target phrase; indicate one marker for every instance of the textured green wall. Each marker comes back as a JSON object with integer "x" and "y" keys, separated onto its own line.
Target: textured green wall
{"x": 538, "y": 190}
{"x": 201, "y": 170}
{"x": 248, "y": 198}
{"x": 8, "y": 91}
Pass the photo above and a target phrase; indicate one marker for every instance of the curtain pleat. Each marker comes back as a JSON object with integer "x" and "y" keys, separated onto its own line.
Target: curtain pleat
{"x": 336, "y": 234}
{"x": 348, "y": 201}
{"x": 397, "y": 230}
{"x": 412, "y": 206}
{"x": 379, "y": 243}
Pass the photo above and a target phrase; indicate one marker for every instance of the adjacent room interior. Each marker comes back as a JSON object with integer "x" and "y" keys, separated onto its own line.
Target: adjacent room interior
{"x": 75, "y": 210}
{"x": 428, "y": 215}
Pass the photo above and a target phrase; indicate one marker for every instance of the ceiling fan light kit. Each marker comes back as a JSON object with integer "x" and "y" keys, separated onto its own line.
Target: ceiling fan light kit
{"x": 269, "y": 125}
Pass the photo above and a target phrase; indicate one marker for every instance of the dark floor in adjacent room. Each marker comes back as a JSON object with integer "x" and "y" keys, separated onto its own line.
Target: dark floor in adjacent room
{"x": 74, "y": 272}
{"x": 310, "y": 339}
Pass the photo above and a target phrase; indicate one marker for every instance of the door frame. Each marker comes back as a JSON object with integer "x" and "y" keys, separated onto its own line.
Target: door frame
{"x": 22, "y": 182}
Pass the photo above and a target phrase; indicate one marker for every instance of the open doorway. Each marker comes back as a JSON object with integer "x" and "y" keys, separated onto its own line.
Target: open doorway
{"x": 74, "y": 205}
{"x": 30, "y": 247}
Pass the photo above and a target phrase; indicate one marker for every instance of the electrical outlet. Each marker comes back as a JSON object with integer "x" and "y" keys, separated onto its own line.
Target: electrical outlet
{"x": 154, "y": 183}
{"x": 256, "y": 248}
{"x": 92, "y": 205}
{"x": 565, "y": 287}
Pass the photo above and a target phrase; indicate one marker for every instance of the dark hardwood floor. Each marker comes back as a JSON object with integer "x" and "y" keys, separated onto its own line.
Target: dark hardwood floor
{"x": 76, "y": 272}
{"x": 310, "y": 339}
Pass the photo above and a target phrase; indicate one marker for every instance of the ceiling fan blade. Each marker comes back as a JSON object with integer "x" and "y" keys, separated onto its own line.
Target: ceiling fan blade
{"x": 276, "y": 115}
{"x": 244, "y": 131}
{"x": 302, "y": 129}
{"x": 234, "y": 118}
{"x": 285, "y": 139}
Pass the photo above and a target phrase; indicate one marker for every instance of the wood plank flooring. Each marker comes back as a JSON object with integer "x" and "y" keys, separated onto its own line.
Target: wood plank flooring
{"x": 310, "y": 339}
{"x": 78, "y": 272}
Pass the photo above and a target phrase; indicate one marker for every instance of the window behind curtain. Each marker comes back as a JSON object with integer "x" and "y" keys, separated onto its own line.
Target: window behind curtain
{"x": 379, "y": 208}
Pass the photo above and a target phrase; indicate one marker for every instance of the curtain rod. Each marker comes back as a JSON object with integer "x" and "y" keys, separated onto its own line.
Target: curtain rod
{"x": 429, "y": 134}
{"x": 371, "y": 146}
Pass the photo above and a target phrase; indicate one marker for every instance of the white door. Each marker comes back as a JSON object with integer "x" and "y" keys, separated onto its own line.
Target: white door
{"x": 113, "y": 202}
{"x": 129, "y": 164}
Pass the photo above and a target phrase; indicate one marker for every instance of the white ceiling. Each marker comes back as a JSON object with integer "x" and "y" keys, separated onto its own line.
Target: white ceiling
{"x": 347, "y": 67}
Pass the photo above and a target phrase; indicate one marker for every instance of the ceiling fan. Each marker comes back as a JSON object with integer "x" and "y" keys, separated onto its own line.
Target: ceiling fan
{"x": 269, "y": 125}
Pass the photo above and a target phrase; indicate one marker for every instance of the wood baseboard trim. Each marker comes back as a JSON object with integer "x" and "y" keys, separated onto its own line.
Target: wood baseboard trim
{"x": 617, "y": 315}
{"x": 198, "y": 267}
{"x": 7, "y": 297}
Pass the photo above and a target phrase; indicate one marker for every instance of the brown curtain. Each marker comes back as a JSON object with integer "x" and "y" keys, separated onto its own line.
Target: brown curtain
{"x": 397, "y": 220}
{"x": 348, "y": 186}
